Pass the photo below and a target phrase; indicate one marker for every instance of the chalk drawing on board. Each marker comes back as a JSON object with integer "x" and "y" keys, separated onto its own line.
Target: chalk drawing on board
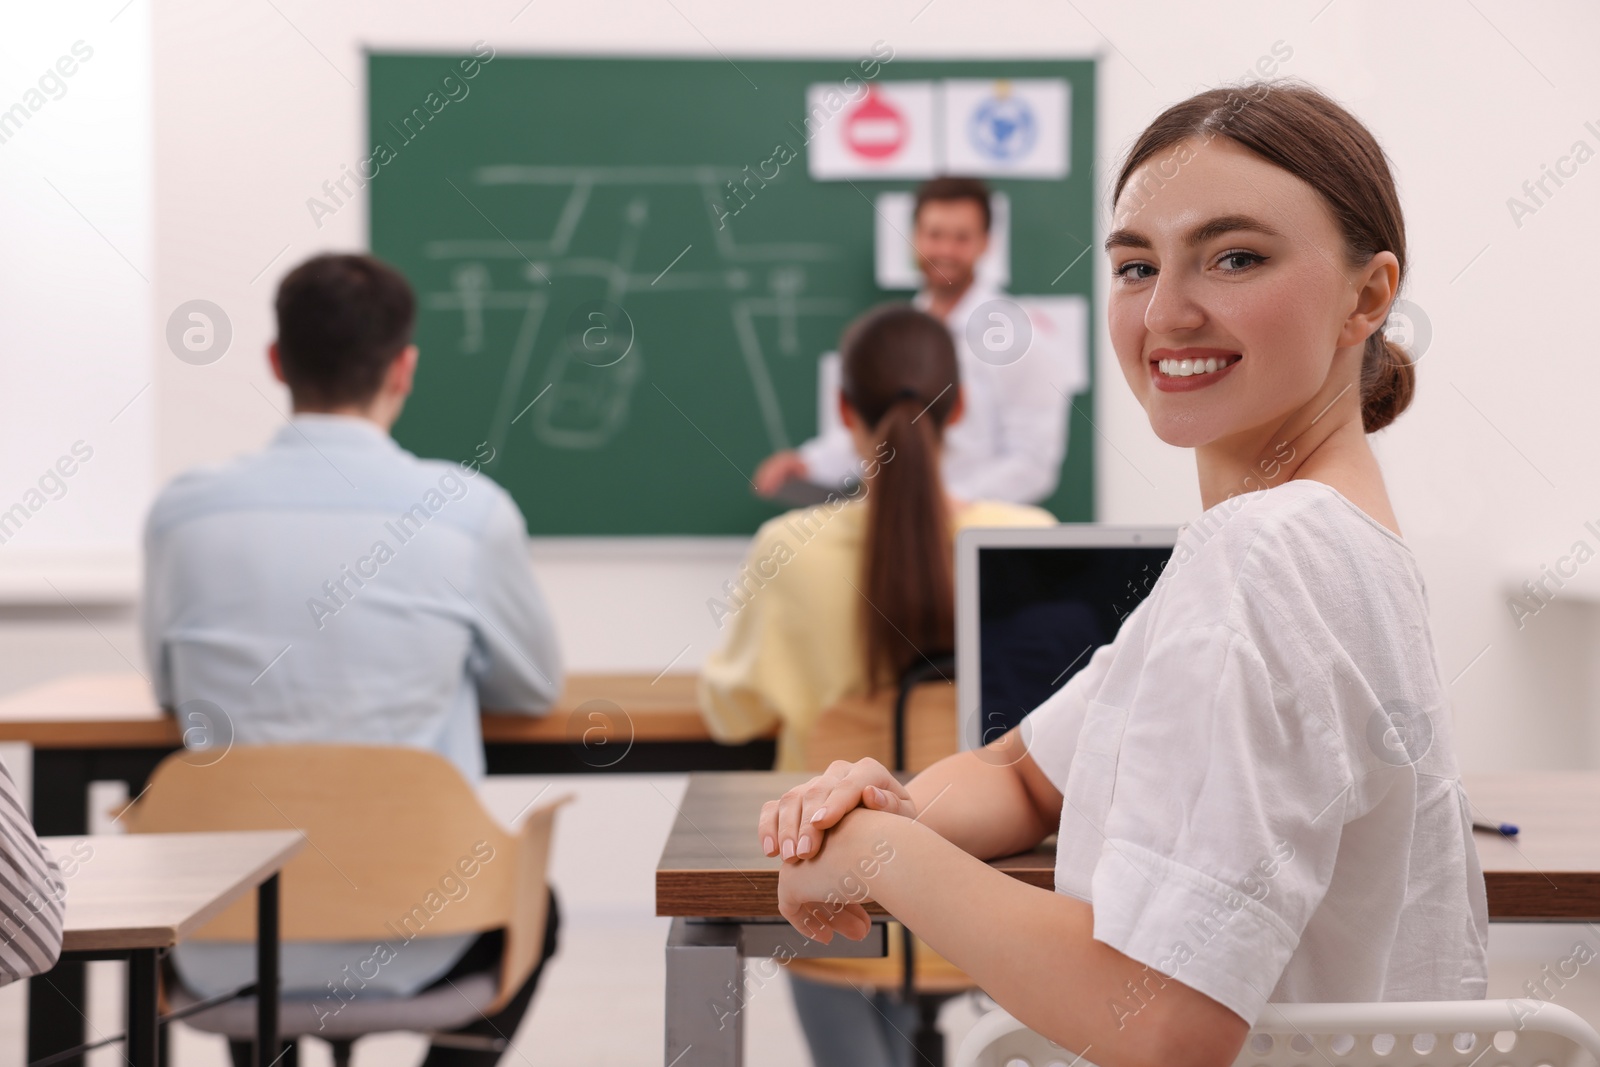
{"x": 788, "y": 283}
{"x": 588, "y": 405}
{"x": 730, "y": 249}
{"x": 745, "y": 313}
{"x": 554, "y": 245}
{"x": 471, "y": 279}
{"x": 521, "y": 352}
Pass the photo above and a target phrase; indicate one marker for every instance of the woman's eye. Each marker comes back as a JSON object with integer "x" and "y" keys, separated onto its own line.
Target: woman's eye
{"x": 1122, "y": 271}
{"x": 1249, "y": 259}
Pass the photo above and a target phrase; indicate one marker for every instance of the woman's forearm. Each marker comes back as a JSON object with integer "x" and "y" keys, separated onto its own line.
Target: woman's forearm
{"x": 981, "y": 802}
{"x": 991, "y": 802}
{"x": 1033, "y": 950}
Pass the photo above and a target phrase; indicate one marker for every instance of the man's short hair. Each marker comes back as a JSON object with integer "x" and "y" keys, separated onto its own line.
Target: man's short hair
{"x": 342, "y": 320}
{"x": 953, "y": 188}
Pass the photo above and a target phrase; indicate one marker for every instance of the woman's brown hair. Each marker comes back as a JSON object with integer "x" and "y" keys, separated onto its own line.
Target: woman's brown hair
{"x": 1299, "y": 129}
{"x": 899, "y": 376}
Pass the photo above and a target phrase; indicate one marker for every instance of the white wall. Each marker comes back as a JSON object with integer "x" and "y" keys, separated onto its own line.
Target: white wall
{"x": 256, "y": 105}
{"x": 77, "y": 439}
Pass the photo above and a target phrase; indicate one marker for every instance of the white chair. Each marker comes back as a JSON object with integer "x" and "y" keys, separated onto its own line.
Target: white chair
{"x": 1448, "y": 1033}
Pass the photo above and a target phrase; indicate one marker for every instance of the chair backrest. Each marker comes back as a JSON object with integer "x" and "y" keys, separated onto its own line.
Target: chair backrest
{"x": 399, "y": 844}
{"x": 862, "y": 726}
{"x": 1453, "y": 1033}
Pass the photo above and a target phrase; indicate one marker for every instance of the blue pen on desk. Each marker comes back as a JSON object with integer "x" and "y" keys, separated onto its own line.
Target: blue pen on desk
{"x": 1504, "y": 829}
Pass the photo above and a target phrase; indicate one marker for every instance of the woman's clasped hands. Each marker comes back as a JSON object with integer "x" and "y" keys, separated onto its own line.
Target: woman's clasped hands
{"x": 821, "y": 892}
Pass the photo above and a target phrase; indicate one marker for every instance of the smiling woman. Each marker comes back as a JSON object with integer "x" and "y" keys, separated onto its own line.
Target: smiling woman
{"x": 1230, "y": 833}
{"x": 1290, "y": 144}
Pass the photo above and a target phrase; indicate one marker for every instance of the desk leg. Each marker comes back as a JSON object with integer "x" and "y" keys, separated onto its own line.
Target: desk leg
{"x": 267, "y": 1051}
{"x": 143, "y": 1012}
{"x": 60, "y": 808}
{"x": 705, "y": 995}
{"x": 54, "y": 1022}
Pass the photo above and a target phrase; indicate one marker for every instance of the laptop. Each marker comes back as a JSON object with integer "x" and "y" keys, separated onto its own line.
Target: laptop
{"x": 1033, "y": 604}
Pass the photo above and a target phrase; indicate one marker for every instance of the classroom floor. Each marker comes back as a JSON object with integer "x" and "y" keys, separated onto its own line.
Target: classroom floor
{"x": 601, "y": 1001}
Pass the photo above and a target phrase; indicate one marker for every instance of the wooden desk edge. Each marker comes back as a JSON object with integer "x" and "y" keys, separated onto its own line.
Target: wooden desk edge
{"x": 136, "y": 937}
{"x": 633, "y": 708}
{"x": 123, "y": 939}
{"x": 108, "y": 733}
{"x": 717, "y": 893}
{"x": 268, "y": 867}
{"x": 721, "y": 892}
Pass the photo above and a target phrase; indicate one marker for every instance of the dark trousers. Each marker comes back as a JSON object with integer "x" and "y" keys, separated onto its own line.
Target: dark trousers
{"x": 484, "y": 954}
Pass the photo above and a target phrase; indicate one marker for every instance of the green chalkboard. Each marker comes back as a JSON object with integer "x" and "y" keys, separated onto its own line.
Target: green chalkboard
{"x": 547, "y": 196}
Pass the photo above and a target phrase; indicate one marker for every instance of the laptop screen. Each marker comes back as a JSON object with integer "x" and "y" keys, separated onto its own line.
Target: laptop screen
{"x": 1041, "y": 610}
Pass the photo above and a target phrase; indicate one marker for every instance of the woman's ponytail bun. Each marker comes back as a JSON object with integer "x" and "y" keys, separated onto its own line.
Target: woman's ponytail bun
{"x": 1388, "y": 380}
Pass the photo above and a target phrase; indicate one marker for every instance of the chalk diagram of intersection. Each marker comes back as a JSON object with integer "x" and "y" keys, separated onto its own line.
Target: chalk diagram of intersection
{"x": 587, "y": 406}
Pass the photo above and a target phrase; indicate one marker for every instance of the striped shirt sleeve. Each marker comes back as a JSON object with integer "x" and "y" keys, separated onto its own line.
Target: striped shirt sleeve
{"x": 32, "y": 893}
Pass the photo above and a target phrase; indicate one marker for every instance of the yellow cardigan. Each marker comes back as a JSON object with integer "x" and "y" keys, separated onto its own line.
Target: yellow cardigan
{"x": 791, "y": 619}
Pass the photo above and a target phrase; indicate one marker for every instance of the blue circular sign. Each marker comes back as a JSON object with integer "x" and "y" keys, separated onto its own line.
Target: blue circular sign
{"x": 1003, "y": 128}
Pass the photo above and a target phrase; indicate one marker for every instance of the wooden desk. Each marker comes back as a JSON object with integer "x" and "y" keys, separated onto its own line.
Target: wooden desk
{"x": 722, "y": 893}
{"x": 107, "y": 727}
{"x": 1550, "y": 871}
{"x": 131, "y": 896}
{"x": 118, "y": 710}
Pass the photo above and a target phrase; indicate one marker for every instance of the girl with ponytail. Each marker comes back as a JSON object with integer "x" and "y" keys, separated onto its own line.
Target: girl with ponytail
{"x": 1254, "y": 786}
{"x": 840, "y": 599}
{"x": 900, "y": 389}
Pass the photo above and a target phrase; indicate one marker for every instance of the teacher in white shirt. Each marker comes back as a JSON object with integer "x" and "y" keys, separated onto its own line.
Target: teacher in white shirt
{"x": 1010, "y": 439}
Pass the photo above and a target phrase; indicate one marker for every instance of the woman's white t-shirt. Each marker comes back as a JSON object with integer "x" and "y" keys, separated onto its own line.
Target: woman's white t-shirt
{"x": 1261, "y": 793}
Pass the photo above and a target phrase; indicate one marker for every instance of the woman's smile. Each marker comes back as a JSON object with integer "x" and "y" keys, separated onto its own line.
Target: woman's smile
{"x": 1176, "y": 370}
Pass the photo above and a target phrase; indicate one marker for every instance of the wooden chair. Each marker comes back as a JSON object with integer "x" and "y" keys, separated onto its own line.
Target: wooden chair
{"x": 386, "y": 825}
{"x": 908, "y": 728}
{"x": 859, "y": 727}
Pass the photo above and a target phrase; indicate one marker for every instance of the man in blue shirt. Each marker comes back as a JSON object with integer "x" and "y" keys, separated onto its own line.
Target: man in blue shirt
{"x": 333, "y": 587}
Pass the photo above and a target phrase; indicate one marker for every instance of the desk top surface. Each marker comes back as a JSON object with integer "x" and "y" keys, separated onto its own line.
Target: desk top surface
{"x": 712, "y": 865}
{"x": 129, "y": 891}
{"x": 118, "y": 710}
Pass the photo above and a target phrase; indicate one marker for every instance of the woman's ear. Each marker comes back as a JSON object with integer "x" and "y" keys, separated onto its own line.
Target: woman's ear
{"x": 847, "y": 414}
{"x": 1376, "y": 287}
